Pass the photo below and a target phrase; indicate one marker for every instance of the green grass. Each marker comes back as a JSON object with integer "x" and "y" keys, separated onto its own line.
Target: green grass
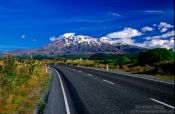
{"x": 22, "y": 82}
{"x": 42, "y": 104}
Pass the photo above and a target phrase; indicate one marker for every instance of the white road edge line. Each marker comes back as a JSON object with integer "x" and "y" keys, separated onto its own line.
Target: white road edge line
{"x": 90, "y": 74}
{"x": 146, "y": 78}
{"x": 162, "y": 103}
{"x": 64, "y": 94}
{"x": 108, "y": 81}
{"x": 152, "y": 80}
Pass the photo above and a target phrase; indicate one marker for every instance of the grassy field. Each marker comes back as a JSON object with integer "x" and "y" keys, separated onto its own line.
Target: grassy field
{"x": 22, "y": 82}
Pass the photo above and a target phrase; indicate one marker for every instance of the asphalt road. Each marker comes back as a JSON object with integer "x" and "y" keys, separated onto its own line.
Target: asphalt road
{"x": 78, "y": 90}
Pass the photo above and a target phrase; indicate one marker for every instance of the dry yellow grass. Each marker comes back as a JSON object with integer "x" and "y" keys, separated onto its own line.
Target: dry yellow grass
{"x": 147, "y": 69}
{"x": 22, "y": 98}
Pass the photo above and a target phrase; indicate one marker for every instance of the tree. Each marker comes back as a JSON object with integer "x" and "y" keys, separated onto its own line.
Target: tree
{"x": 155, "y": 55}
{"x": 123, "y": 60}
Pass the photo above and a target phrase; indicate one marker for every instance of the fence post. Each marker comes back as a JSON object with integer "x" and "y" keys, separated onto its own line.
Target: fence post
{"x": 46, "y": 69}
{"x": 107, "y": 67}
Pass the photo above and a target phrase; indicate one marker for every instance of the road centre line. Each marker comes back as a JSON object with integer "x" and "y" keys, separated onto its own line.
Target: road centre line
{"x": 90, "y": 75}
{"x": 162, "y": 103}
{"x": 108, "y": 81}
{"x": 146, "y": 78}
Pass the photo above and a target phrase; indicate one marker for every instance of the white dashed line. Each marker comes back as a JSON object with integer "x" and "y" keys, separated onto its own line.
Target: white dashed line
{"x": 64, "y": 94}
{"x": 135, "y": 76}
{"x": 79, "y": 71}
{"x": 162, "y": 103}
{"x": 90, "y": 75}
{"x": 108, "y": 81}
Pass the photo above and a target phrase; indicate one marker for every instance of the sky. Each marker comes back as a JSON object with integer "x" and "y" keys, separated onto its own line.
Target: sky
{"x": 31, "y": 23}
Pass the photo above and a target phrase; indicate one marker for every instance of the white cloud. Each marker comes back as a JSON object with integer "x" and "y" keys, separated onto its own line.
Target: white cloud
{"x": 53, "y": 38}
{"x": 166, "y": 35}
{"x": 23, "y": 36}
{"x": 163, "y": 30}
{"x": 114, "y": 14}
{"x": 158, "y": 43}
{"x": 67, "y": 35}
{"x": 147, "y": 29}
{"x": 163, "y": 26}
{"x": 153, "y": 11}
{"x": 126, "y": 33}
{"x": 126, "y": 41}
{"x": 126, "y": 36}
{"x": 154, "y": 25}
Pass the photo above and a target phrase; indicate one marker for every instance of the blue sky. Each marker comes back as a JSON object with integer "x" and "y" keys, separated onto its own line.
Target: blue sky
{"x": 30, "y": 23}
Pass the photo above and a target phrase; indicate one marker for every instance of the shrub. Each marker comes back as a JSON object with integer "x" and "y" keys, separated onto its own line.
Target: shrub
{"x": 155, "y": 55}
{"x": 21, "y": 84}
{"x": 167, "y": 68}
{"x": 10, "y": 68}
{"x": 123, "y": 60}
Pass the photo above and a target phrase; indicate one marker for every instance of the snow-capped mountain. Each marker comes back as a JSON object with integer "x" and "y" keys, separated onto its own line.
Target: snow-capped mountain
{"x": 71, "y": 43}
{"x": 69, "y": 39}
{"x": 128, "y": 40}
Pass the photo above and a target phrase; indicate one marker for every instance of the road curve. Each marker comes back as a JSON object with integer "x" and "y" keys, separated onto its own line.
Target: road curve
{"x": 90, "y": 91}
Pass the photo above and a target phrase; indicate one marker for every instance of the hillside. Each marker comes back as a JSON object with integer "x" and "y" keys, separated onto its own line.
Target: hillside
{"x": 71, "y": 44}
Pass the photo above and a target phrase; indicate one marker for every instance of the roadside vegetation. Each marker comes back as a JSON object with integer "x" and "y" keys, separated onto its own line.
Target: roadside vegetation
{"x": 22, "y": 83}
{"x": 158, "y": 62}
{"x": 23, "y": 80}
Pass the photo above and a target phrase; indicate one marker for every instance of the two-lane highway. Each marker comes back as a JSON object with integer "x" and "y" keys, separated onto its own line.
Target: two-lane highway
{"x": 97, "y": 92}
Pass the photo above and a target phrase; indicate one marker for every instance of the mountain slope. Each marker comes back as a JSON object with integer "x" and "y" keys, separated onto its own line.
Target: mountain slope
{"x": 79, "y": 44}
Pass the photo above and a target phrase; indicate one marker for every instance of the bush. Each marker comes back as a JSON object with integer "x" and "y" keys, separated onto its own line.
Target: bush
{"x": 123, "y": 60}
{"x": 21, "y": 84}
{"x": 167, "y": 68}
{"x": 155, "y": 55}
{"x": 10, "y": 68}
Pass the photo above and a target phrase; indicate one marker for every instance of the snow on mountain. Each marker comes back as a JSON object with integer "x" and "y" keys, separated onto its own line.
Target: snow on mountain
{"x": 68, "y": 39}
{"x": 71, "y": 43}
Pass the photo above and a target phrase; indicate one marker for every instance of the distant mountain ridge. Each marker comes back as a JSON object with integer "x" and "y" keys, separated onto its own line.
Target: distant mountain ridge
{"x": 78, "y": 45}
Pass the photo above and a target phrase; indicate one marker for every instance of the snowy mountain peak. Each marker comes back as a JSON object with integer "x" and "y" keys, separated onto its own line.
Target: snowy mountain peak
{"x": 72, "y": 39}
{"x": 68, "y": 39}
{"x": 79, "y": 44}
